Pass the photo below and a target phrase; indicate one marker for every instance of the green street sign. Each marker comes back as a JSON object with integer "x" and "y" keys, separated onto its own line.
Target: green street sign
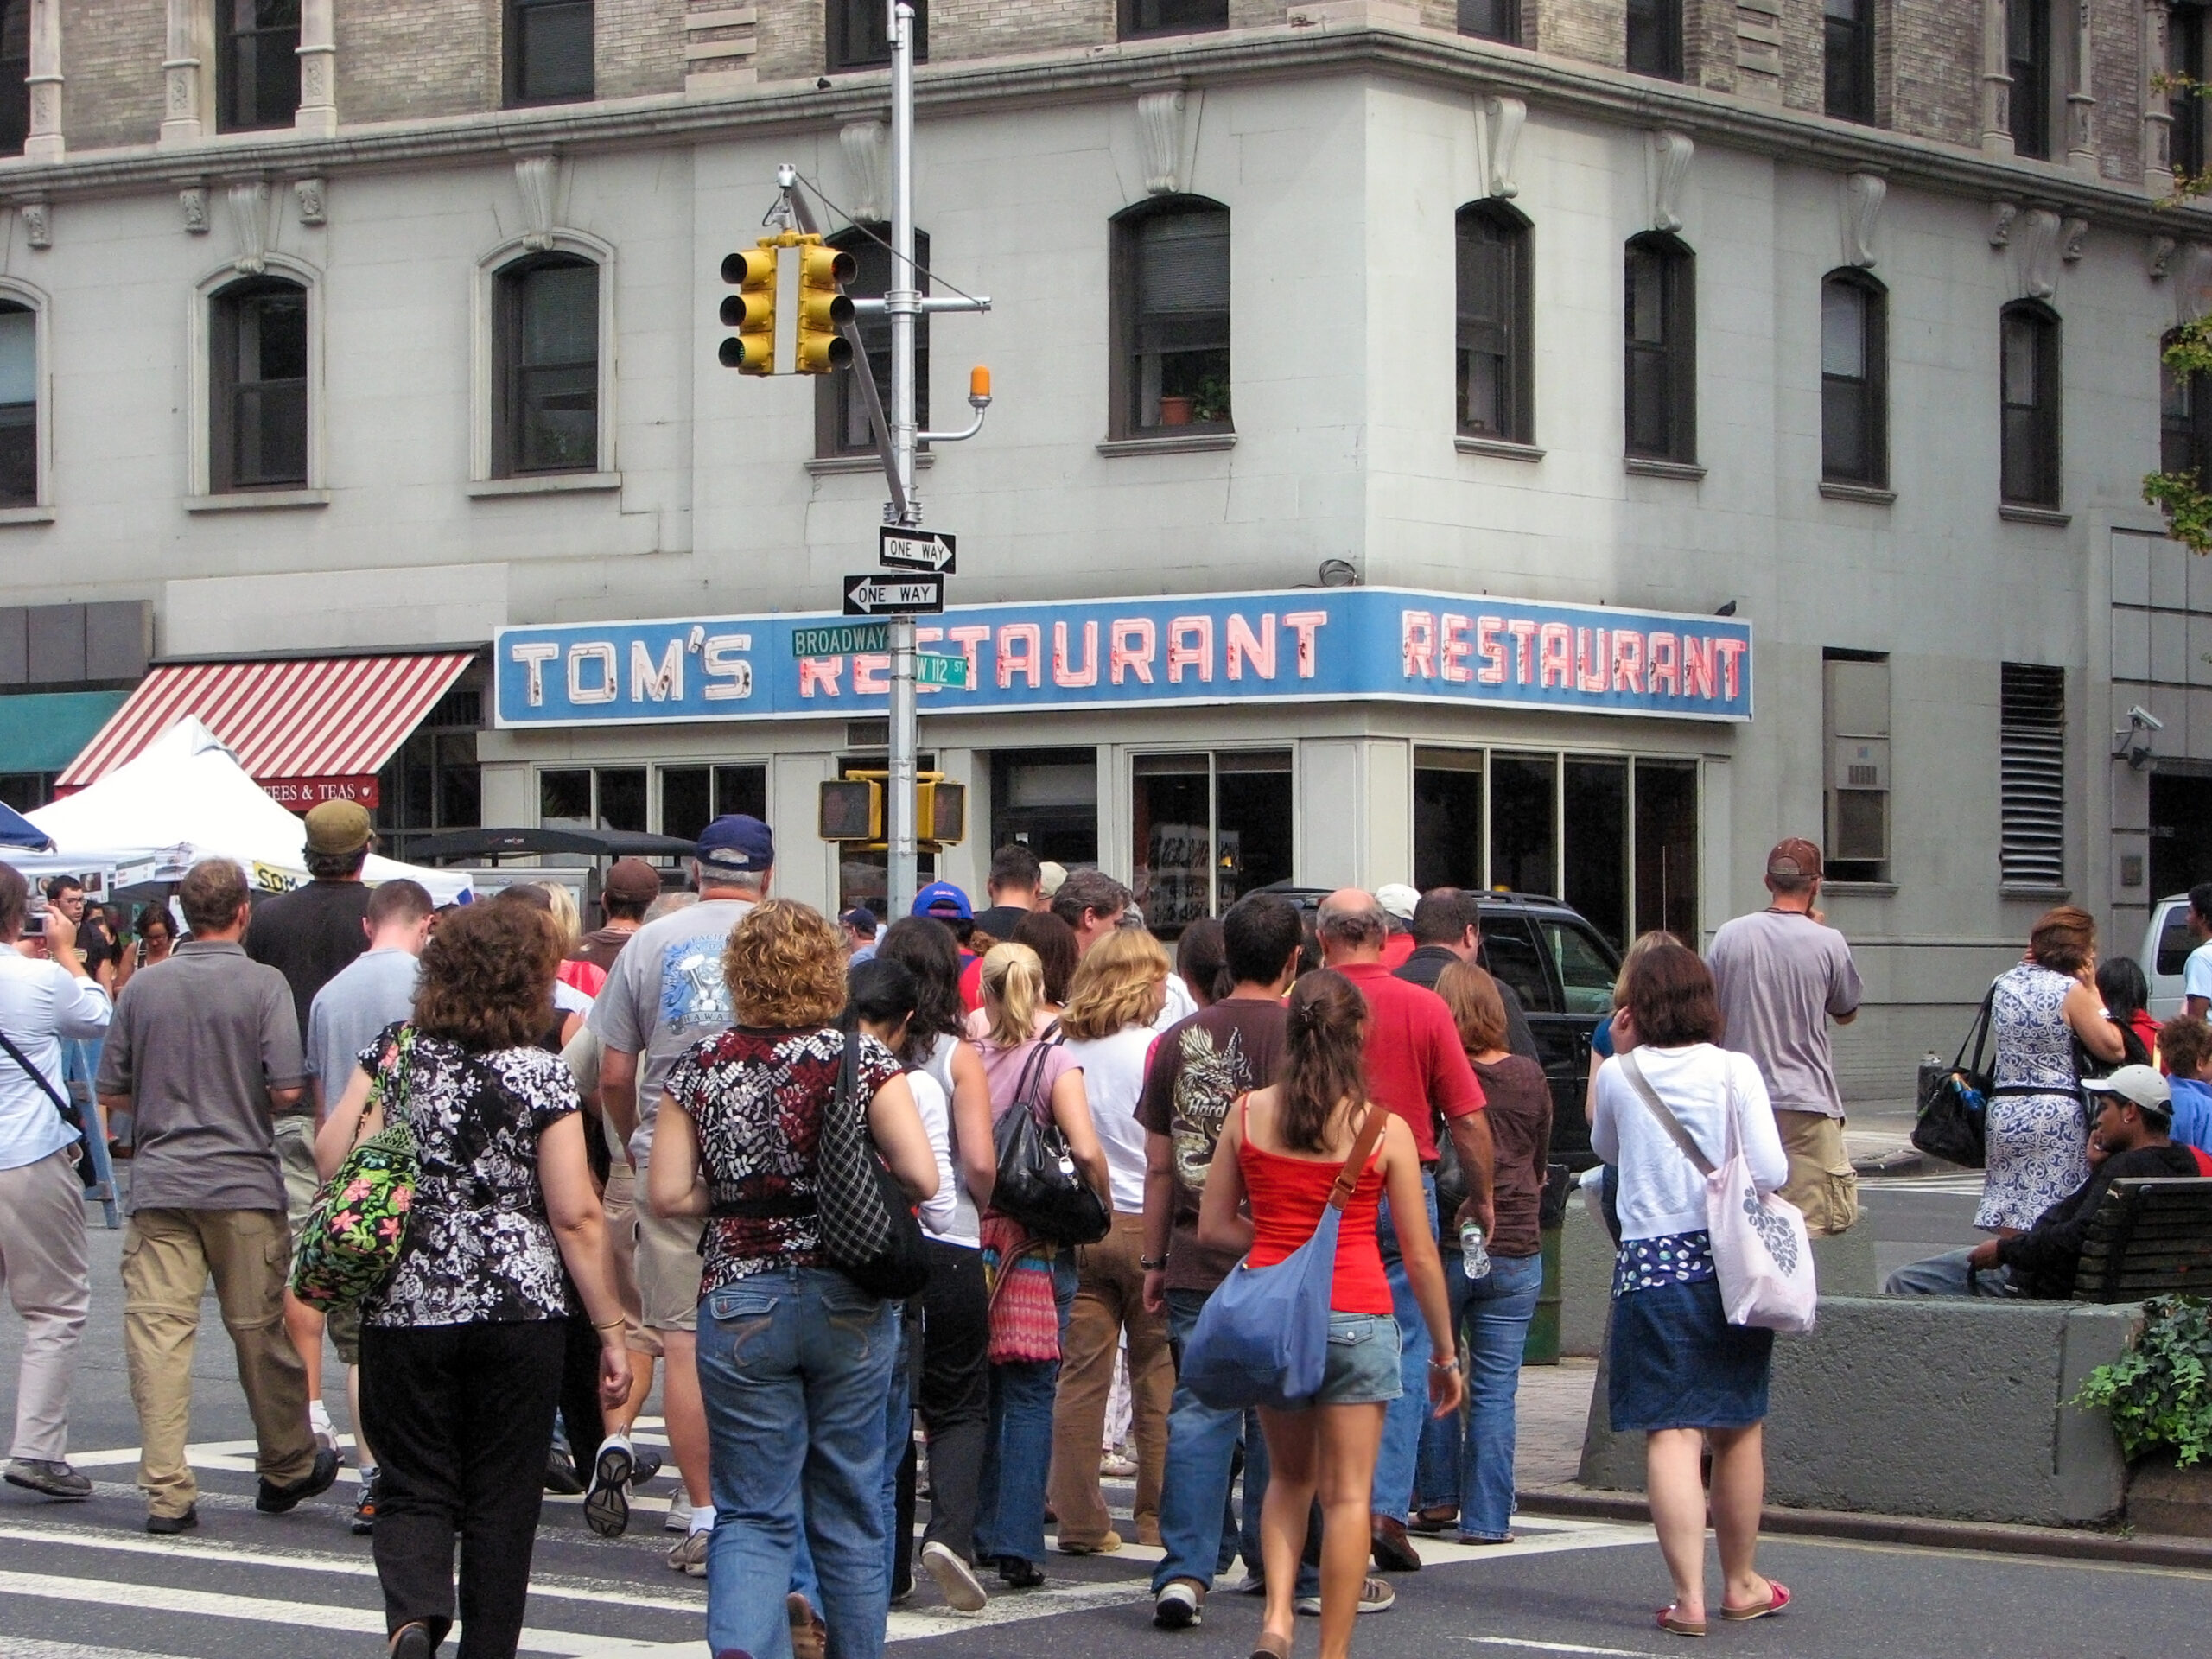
{"x": 930, "y": 669}
{"x": 843, "y": 640}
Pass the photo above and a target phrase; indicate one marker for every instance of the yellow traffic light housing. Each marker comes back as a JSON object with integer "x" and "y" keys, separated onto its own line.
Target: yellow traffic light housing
{"x": 940, "y": 810}
{"x": 823, "y": 309}
{"x": 752, "y": 309}
{"x": 852, "y": 811}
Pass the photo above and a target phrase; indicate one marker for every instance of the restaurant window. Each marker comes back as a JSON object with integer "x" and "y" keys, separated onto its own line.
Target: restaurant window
{"x": 2031, "y": 779}
{"x": 841, "y": 422}
{"x": 1855, "y": 688}
{"x": 1667, "y": 847}
{"x": 2185, "y": 421}
{"x": 257, "y": 63}
{"x": 258, "y": 382}
{"x": 691, "y": 797}
{"x": 1141, "y": 18}
{"x": 18, "y": 405}
{"x": 2028, "y": 55}
{"x": 1170, "y": 300}
{"x": 433, "y": 782}
{"x": 2186, "y": 61}
{"x": 1524, "y": 823}
{"x": 858, "y": 35}
{"x": 1047, "y": 799}
{"x": 1492, "y": 20}
{"x": 1854, "y": 380}
{"x": 1661, "y": 285}
{"x": 14, "y": 64}
{"x": 549, "y": 50}
{"x": 545, "y": 377}
{"x": 592, "y": 798}
{"x": 1496, "y": 347}
{"x": 2029, "y": 394}
{"x": 1655, "y": 38}
{"x": 1595, "y": 842}
{"x": 1849, "y": 52}
{"x": 1207, "y": 829}
{"x": 1447, "y": 818}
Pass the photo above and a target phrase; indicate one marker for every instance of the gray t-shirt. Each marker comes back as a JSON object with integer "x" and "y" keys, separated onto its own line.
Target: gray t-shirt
{"x": 1780, "y": 975}
{"x": 664, "y": 993}
{"x": 197, "y": 1043}
{"x": 368, "y": 994}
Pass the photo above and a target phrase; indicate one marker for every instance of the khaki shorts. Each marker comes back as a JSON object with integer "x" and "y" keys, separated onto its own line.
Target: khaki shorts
{"x": 295, "y": 1152}
{"x": 622, "y": 1254}
{"x": 1820, "y": 1180}
{"x": 669, "y": 1268}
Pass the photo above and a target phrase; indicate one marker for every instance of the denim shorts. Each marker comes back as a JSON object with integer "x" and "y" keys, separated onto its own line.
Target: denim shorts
{"x": 1363, "y": 1368}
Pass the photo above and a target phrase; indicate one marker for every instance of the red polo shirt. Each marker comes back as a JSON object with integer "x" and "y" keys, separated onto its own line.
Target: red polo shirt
{"x": 1415, "y": 1065}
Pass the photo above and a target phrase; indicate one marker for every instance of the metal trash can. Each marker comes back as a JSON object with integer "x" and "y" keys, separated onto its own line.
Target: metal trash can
{"x": 1541, "y": 1347}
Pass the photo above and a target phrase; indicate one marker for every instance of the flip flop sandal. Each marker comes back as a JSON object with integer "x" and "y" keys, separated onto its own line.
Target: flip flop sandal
{"x": 1675, "y": 1626}
{"x": 1777, "y": 1598}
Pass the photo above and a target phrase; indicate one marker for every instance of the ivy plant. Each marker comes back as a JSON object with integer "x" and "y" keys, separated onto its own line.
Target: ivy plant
{"x": 2182, "y": 496}
{"x": 2158, "y": 1394}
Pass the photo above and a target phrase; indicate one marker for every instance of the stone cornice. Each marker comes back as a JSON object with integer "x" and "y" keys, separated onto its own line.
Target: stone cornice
{"x": 1555, "y": 86}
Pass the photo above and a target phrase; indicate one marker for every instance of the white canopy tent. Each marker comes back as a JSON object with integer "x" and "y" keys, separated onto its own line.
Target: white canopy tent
{"x": 184, "y": 798}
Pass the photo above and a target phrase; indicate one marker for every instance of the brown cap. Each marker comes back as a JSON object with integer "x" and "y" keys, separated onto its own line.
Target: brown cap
{"x": 1793, "y": 859}
{"x": 337, "y": 828}
{"x": 631, "y": 881}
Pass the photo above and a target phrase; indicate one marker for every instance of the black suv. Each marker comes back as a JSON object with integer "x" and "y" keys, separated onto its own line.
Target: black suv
{"x": 1562, "y": 970}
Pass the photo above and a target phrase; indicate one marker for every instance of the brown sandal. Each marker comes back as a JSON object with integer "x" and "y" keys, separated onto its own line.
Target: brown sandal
{"x": 1270, "y": 1646}
{"x": 1675, "y": 1626}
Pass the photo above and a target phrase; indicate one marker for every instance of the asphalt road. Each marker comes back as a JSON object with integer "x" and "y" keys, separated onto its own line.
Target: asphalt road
{"x": 84, "y": 1581}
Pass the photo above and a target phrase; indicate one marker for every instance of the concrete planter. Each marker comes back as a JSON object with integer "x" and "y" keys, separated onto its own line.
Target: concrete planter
{"x": 2166, "y": 1499}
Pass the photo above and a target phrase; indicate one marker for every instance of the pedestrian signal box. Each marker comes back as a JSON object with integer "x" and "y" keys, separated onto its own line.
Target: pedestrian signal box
{"x": 852, "y": 811}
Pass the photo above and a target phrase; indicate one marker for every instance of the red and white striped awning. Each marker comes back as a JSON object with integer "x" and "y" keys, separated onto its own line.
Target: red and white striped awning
{"x": 307, "y": 730}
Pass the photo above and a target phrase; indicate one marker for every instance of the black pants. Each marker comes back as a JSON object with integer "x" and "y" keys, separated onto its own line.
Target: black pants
{"x": 580, "y": 1418}
{"x": 954, "y": 1396}
{"x": 461, "y": 1417}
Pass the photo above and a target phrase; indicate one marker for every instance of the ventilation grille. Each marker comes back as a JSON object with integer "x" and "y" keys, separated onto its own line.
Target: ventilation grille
{"x": 2033, "y": 782}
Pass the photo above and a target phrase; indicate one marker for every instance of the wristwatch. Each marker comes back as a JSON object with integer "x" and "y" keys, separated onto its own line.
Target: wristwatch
{"x": 1152, "y": 1263}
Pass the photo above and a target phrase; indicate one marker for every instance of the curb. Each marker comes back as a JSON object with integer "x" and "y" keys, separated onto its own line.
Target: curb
{"x": 2193, "y": 1554}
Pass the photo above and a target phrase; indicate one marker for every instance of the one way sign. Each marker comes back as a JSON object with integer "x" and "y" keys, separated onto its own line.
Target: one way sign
{"x": 893, "y": 595}
{"x": 902, "y": 549}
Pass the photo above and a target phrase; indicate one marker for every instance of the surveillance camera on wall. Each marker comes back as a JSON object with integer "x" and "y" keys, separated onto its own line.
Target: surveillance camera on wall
{"x": 2138, "y": 716}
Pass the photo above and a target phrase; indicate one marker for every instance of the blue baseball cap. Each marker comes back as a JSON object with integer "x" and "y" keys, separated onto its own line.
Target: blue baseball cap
{"x": 737, "y": 842}
{"x": 942, "y": 899}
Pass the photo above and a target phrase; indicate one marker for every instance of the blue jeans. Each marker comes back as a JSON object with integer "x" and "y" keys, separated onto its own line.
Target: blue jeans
{"x": 898, "y": 1432}
{"x": 1401, "y": 1450}
{"x": 1197, "y": 1522}
{"x": 1951, "y": 1274}
{"x": 1472, "y": 1472}
{"x": 1018, "y": 1444}
{"x": 795, "y": 1365}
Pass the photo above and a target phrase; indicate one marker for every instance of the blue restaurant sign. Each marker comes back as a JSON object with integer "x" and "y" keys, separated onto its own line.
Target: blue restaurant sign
{"x": 1177, "y": 651}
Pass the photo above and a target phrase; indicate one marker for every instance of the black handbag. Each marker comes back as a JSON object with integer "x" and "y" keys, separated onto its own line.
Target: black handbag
{"x": 1038, "y": 1185}
{"x": 1954, "y": 1099}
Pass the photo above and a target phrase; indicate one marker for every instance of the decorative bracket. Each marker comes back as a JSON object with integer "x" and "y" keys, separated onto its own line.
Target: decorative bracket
{"x": 1862, "y": 197}
{"x": 1163, "y": 113}
{"x": 248, "y": 202}
{"x": 866, "y": 145}
{"x": 1498, "y": 121}
{"x": 192, "y": 202}
{"x": 2035, "y": 248}
{"x": 1667, "y": 165}
{"x": 2158, "y": 257}
{"x": 2071, "y": 235}
{"x": 537, "y": 178}
{"x": 38, "y": 222}
{"x": 2193, "y": 283}
{"x": 313, "y": 208}
{"x": 2001, "y": 216}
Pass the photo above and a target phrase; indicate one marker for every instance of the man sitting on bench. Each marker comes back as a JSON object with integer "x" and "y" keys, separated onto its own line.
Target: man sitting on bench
{"x": 2131, "y": 1130}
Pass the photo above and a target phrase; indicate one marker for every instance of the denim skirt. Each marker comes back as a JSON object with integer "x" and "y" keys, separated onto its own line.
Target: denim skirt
{"x": 1363, "y": 1364}
{"x": 1673, "y": 1361}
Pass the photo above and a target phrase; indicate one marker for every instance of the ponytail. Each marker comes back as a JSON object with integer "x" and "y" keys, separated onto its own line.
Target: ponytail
{"x": 1014, "y": 984}
{"x": 1322, "y": 1072}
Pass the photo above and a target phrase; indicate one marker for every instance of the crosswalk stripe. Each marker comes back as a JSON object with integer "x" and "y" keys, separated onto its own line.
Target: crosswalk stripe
{"x": 24, "y": 1647}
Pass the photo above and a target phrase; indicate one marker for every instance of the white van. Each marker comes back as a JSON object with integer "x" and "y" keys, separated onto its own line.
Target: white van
{"x": 2166, "y": 944}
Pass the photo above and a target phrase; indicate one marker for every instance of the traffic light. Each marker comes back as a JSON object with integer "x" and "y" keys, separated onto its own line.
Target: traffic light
{"x": 822, "y": 308}
{"x": 852, "y": 810}
{"x": 940, "y": 810}
{"x": 751, "y": 310}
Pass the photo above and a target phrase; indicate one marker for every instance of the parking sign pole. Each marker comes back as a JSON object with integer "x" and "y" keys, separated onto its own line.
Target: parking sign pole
{"x": 901, "y": 303}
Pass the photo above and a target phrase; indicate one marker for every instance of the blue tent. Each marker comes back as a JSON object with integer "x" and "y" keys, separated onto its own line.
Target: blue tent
{"x": 16, "y": 830}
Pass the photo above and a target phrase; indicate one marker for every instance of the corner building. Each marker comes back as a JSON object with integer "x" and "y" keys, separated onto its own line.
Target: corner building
{"x": 1563, "y": 446}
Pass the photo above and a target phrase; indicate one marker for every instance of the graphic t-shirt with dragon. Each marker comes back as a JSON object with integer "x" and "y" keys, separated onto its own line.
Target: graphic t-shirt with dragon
{"x": 1198, "y": 1069}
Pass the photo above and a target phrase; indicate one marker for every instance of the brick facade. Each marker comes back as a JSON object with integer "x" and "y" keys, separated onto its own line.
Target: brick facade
{"x": 981, "y": 29}
{"x": 1594, "y": 31}
{"x": 402, "y": 59}
{"x": 111, "y": 53}
{"x": 1936, "y": 54}
{"x": 639, "y": 50}
{"x": 2116, "y": 26}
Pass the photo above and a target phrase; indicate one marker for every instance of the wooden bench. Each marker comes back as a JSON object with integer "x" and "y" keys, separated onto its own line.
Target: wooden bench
{"x": 2150, "y": 1237}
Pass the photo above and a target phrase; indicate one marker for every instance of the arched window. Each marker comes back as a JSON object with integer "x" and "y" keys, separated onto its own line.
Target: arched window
{"x": 841, "y": 425}
{"x": 1854, "y": 380}
{"x": 1495, "y": 372}
{"x": 545, "y": 366}
{"x": 257, "y": 63}
{"x": 18, "y": 405}
{"x": 257, "y": 386}
{"x": 2185, "y": 421}
{"x": 1170, "y": 300}
{"x": 2029, "y": 403}
{"x": 1661, "y": 343}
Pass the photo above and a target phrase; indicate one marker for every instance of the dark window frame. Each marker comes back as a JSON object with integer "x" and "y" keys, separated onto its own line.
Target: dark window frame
{"x": 19, "y": 423}
{"x": 227, "y": 397}
{"x": 235, "y": 46}
{"x": 1130, "y": 24}
{"x": 854, "y": 36}
{"x": 1656, "y": 43}
{"x": 2029, "y": 59}
{"x": 1496, "y": 225}
{"x": 1125, "y": 378}
{"x": 511, "y": 376}
{"x": 1504, "y": 24}
{"x": 1673, "y": 355}
{"x": 2188, "y": 32}
{"x": 1869, "y": 390}
{"x": 1848, "y": 61}
{"x": 513, "y": 26}
{"x": 2185, "y": 421}
{"x": 837, "y": 402}
{"x": 2033, "y": 476}
{"x": 15, "y": 96}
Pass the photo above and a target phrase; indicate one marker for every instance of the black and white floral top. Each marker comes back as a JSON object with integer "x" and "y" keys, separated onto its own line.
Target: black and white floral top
{"x": 479, "y": 1249}
{"x": 1669, "y": 1259}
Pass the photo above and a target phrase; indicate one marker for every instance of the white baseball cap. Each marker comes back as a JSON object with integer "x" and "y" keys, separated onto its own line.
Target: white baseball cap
{"x": 2140, "y": 1086}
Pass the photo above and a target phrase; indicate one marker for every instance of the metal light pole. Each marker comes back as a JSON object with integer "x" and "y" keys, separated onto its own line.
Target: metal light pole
{"x": 902, "y": 303}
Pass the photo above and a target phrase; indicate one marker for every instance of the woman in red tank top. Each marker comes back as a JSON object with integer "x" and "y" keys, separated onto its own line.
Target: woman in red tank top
{"x": 1280, "y": 1151}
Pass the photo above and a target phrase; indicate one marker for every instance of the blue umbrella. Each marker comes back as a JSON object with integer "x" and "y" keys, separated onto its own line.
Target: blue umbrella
{"x": 16, "y": 830}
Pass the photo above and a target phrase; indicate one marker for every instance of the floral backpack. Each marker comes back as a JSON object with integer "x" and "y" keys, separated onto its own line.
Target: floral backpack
{"x": 350, "y": 1239}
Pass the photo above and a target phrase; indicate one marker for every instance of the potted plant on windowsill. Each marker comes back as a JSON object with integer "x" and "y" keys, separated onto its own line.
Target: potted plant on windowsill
{"x": 1210, "y": 403}
{"x": 1175, "y": 409}
{"x": 2158, "y": 1395}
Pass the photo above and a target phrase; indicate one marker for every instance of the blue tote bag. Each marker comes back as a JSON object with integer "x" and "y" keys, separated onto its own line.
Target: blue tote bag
{"x": 1263, "y": 1337}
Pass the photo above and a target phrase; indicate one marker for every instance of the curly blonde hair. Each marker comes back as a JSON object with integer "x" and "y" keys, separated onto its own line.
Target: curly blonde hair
{"x": 784, "y": 967}
{"x": 1112, "y": 984}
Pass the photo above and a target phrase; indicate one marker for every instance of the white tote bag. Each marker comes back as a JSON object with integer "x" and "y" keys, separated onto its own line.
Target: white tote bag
{"x": 1762, "y": 1254}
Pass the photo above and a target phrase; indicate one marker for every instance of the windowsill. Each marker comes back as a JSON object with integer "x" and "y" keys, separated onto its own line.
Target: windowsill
{"x": 1503, "y": 448}
{"x": 829, "y": 465}
{"x": 1185, "y": 443}
{"x": 1872, "y": 495}
{"x": 1861, "y": 889}
{"x": 257, "y": 500}
{"x": 545, "y": 484}
{"x": 2050, "y": 518}
{"x": 26, "y": 515}
{"x": 1645, "y": 467}
{"x": 2041, "y": 895}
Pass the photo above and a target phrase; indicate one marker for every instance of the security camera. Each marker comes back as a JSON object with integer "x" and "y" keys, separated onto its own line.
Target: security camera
{"x": 2138, "y": 716}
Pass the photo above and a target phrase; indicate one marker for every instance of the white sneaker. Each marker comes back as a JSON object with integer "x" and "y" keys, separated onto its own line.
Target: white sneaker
{"x": 955, "y": 1579}
{"x": 1178, "y": 1606}
{"x": 1375, "y": 1596}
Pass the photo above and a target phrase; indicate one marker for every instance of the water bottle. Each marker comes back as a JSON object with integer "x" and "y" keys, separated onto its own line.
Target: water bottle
{"x": 1473, "y": 1254}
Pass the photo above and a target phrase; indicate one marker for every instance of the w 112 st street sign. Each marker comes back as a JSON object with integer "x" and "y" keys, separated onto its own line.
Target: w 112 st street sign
{"x": 902, "y": 549}
{"x": 893, "y": 595}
